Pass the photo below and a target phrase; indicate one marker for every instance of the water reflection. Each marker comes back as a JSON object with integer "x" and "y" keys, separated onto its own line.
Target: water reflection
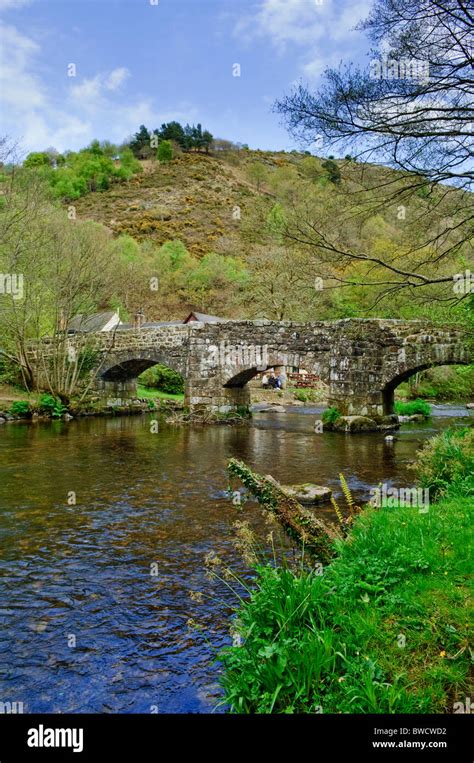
{"x": 86, "y": 625}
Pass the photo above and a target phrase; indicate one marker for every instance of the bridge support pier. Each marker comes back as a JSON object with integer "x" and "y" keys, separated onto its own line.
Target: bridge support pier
{"x": 372, "y": 404}
{"x": 116, "y": 390}
{"x": 218, "y": 399}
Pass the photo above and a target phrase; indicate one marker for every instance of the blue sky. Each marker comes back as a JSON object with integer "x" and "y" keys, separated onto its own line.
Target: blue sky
{"x": 146, "y": 62}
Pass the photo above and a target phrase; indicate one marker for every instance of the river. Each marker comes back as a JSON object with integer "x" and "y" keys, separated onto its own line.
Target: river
{"x": 95, "y": 595}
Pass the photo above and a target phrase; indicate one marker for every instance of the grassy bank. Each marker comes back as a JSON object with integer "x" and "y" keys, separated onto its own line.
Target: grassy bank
{"x": 383, "y": 629}
{"x": 447, "y": 384}
{"x": 150, "y": 393}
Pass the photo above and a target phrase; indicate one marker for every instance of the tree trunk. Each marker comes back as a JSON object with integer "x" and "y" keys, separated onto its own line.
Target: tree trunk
{"x": 311, "y": 533}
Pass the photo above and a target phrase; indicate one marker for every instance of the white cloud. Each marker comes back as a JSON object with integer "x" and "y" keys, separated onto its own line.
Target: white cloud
{"x": 95, "y": 89}
{"x": 70, "y": 115}
{"x": 116, "y": 78}
{"x": 323, "y": 32}
{"x": 6, "y": 5}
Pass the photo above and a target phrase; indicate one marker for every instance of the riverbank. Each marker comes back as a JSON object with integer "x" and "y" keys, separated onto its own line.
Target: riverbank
{"x": 385, "y": 627}
{"x": 17, "y": 405}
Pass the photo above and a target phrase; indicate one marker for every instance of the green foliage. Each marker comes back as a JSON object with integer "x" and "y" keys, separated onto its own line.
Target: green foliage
{"x": 37, "y": 159}
{"x": 331, "y": 642}
{"x": 162, "y": 378}
{"x": 332, "y": 170}
{"x": 330, "y": 415}
{"x": 446, "y": 463}
{"x": 412, "y": 407}
{"x": 165, "y": 151}
{"x": 447, "y": 383}
{"x": 52, "y": 405}
{"x": 10, "y": 373}
{"x": 188, "y": 138}
{"x": 257, "y": 173}
{"x": 20, "y": 408}
{"x": 140, "y": 143}
{"x": 276, "y": 221}
{"x": 79, "y": 173}
{"x": 307, "y": 395}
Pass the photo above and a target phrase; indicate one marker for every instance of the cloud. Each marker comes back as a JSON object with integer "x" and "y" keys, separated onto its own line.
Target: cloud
{"x": 6, "y": 5}
{"x": 116, "y": 78}
{"x": 91, "y": 90}
{"x": 68, "y": 115}
{"x": 323, "y": 32}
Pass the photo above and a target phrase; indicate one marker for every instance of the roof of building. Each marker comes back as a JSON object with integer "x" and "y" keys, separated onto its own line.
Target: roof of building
{"x": 158, "y": 324}
{"x": 89, "y": 323}
{"x": 203, "y": 318}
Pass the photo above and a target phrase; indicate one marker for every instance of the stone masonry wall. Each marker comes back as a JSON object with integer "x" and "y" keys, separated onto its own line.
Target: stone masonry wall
{"x": 361, "y": 360}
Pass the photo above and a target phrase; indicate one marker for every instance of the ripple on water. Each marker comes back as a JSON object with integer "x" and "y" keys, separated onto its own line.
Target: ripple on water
{"x": 95, "y": 600}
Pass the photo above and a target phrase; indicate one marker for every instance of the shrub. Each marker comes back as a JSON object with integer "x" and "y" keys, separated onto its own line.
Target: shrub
{"x": 301, "y": 395}
{"x": 162, "y": 378}
{"x": 308, "y": 395}
{"x": 445, "y": 464}
{"x": 445, "y": 383}
{"x": 51, "y": 405}
{"x": 20, "y": 408}
{"x": 165, "y": 151}
{"x": 330, "y": 415}
{"x": 413, "y": 407}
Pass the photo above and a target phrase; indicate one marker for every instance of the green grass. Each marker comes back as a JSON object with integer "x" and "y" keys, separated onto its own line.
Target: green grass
{"x": 383, "y": 630}
{"x": 446, "y": 464}
{"x": 151, "y": 394}
{"x": 443, "y": 384}
{"x": 413, "y": 407}
{"x": 330, "y": 415}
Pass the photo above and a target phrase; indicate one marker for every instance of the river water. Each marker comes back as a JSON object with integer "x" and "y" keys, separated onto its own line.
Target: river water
{"x": 104, "y": 526}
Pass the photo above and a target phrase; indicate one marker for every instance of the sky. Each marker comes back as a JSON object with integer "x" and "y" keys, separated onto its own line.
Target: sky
{"x": 75, "y": 70}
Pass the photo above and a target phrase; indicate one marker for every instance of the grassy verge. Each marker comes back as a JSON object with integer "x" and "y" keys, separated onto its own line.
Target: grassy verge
{"x": 412, "y": 407}
{"x": 384, "y": 629}
{"x": 150, "y": 393}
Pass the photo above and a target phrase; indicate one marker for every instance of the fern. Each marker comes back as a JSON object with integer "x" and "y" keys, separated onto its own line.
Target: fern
{"x": 337, "y": 510}
{"x": 347, "y": 493}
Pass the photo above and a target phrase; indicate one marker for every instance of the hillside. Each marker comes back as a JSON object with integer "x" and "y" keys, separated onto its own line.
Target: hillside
{"x": 230, "y": 210}
{"x": 191, "y": 199}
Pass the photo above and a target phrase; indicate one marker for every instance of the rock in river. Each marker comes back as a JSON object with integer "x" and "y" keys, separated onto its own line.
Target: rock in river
{"x": 308, "y": 494}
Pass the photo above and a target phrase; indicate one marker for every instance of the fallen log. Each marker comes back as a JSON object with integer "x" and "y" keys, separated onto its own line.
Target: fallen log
{"x": 311, "y": 533}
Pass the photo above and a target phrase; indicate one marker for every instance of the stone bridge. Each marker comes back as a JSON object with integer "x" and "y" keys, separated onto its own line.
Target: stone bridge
{"x": 361, "y": 360}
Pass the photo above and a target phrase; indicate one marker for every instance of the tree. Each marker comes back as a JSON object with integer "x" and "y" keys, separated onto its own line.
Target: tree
{"x": 140, "y": 143}
{"x": 413, "y": 109}
{"x": 65, "y": 268}
{"x": 172, "y": 131}
{"x": 257, "y": 174}
{"x": 165, "y": 151}
{"x": 207, "y": 140}
{"x": 282, "y": 284}
{"x": 38, "y": 159}
{"x": 333, "y": 171}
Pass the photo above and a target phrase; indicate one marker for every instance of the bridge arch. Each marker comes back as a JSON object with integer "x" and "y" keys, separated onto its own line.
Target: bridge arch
{"x": 388, "y": 391}
{"x": 119, "y": 373}
{"x": 239, "y": 376}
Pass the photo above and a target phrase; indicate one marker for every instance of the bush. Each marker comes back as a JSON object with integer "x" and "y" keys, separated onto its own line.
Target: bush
{"x": 307, "y": 395}
{"x": 413, "y": 407}
{"x": 330, "y": 415}
{"x": 445, "y": 465}
{"x": 165, "y": 151}
{"x": 446, "y": 383}
{"x": 20, "y": 408}
{"x": 162, "y": 378}
{"x": 51, "y": 405}
{"x": 10, "y": 373}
